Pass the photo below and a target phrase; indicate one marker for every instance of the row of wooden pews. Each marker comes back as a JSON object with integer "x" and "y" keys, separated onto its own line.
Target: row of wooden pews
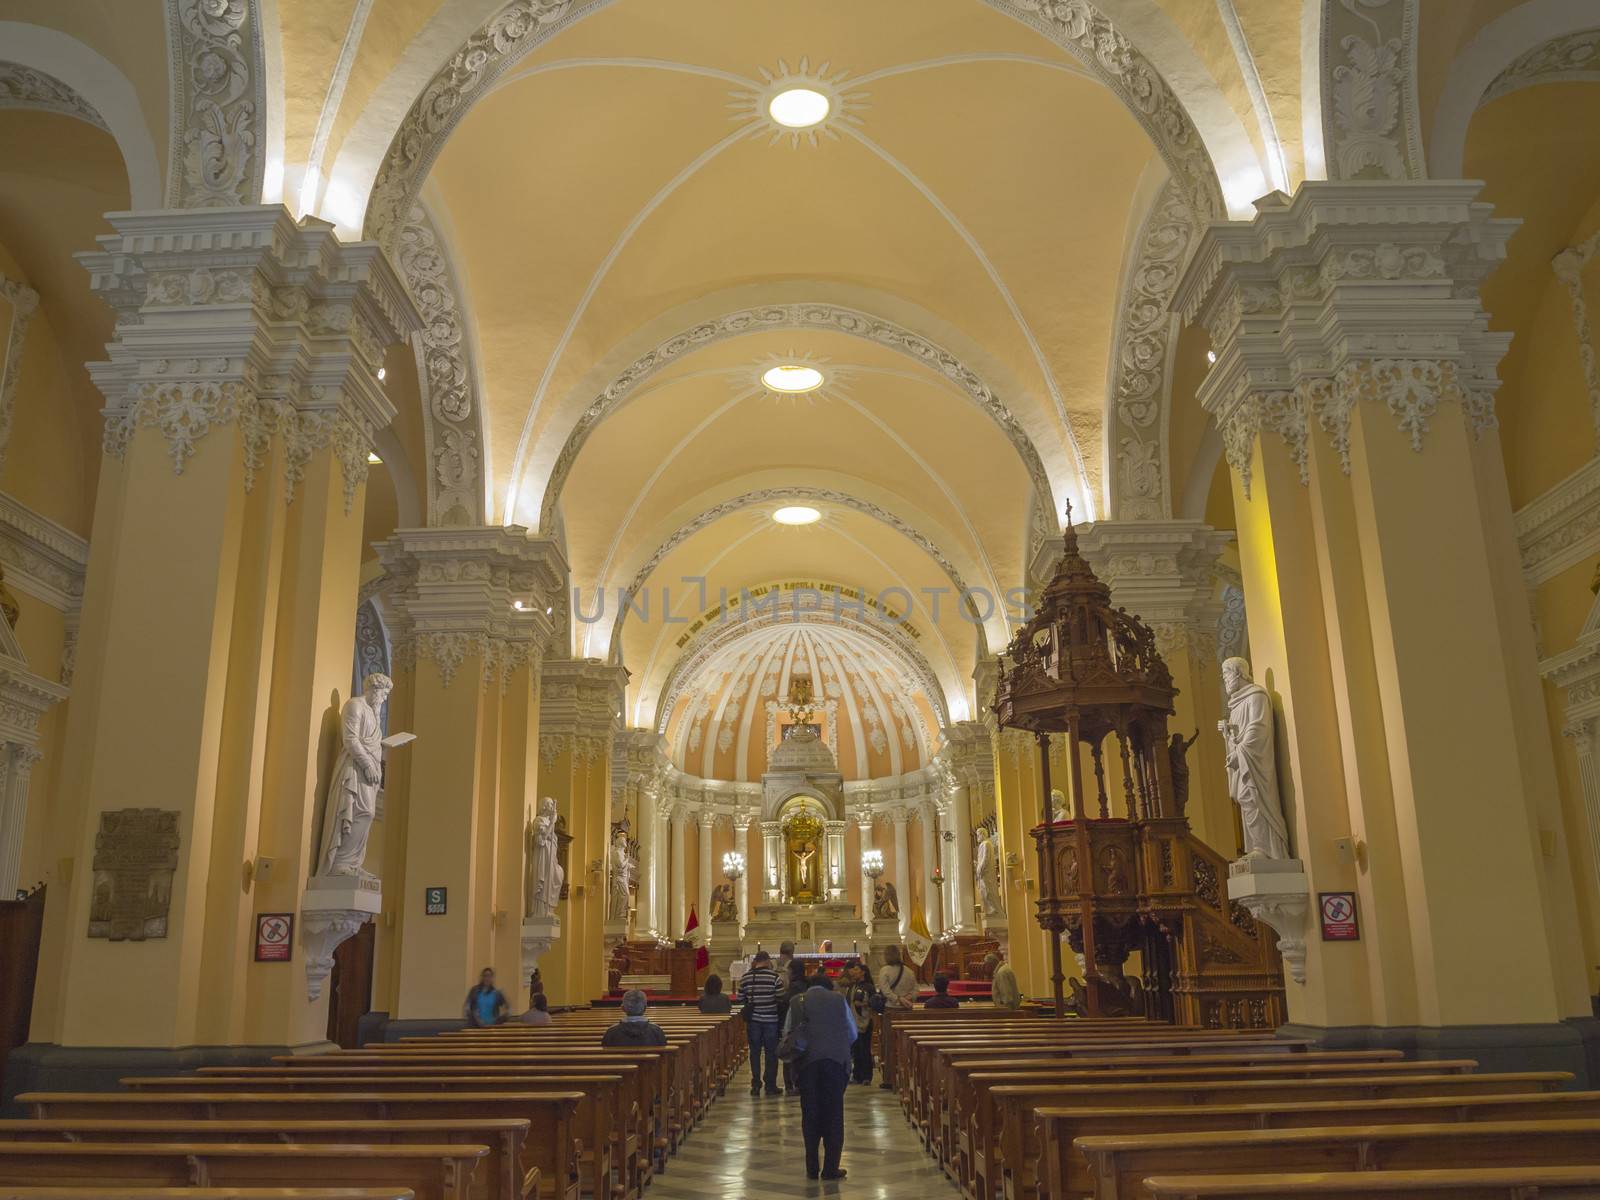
{"x": 1019, "y": 1106}
{"x": 510, "y": 1113}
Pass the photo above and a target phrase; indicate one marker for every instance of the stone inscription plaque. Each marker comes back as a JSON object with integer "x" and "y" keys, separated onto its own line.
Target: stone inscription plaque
{"x": 135, "y": 855}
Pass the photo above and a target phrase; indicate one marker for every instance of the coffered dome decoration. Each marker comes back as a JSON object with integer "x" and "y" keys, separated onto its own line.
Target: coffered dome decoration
{"x": 726, "y": 718}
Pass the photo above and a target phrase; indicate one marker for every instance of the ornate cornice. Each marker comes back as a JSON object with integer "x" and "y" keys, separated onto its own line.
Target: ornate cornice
{"x": 1350, "y": 292}
{"x": 42, "y": 558}
{"x": 452, "y": 428}
{"x": 1561, "y": 528}
{"x": 478, "y": 592}
{"x": 1162, "y": 571}
{"x": 818, "y": 316}
{"x": 240, "y": 317}
{"x": 26, "y": 87}
{"x": 218, "y": 135}
{"x": 582, "y": 698}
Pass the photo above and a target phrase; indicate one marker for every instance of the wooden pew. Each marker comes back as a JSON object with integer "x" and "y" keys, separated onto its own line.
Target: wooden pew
{"x": 1017, "y": 1151}
{"x": 504, "y": 1174}
{"x": 1505, "y": 1183}
{"x": 982, "y": 1134}
{"x": 1120, "y": 1164}
{"x": 431, "y": 1172}
{"x": 550, "y": 1147}
{"x": 609, "y": 1122}
{"x": 231, "y": 1193}
{"x": 1063, "y": 1172}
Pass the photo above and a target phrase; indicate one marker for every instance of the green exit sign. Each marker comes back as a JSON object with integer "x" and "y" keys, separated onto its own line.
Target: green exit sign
{"x": 434, "y": 901}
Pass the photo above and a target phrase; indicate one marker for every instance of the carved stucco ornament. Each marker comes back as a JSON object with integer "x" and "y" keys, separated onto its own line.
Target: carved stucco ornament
{"x": 218, "y": 148}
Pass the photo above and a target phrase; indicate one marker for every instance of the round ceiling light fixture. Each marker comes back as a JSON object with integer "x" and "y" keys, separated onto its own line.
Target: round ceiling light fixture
{"x": 799, "y": 108}
{"x": 792, "y": 378}
{"x": 797, "y": 514}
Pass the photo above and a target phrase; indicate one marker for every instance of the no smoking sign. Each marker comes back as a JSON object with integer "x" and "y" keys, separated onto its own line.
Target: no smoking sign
{"x": 274, "y": 936}
{"x": 1338, "y": 911}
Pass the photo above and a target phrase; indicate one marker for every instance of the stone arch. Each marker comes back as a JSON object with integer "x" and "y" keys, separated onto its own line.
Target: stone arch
{"x": 822, "y": 316}
{"x": 1519, "y": 48}
{"x": 1371, "y": 125}
{"x": 456, "y": 450}
{"x": 523, "y": 26}
{"x": 103, "y": 95}
{"x": 769, "y": 495}
{"x": 219, "y": 106}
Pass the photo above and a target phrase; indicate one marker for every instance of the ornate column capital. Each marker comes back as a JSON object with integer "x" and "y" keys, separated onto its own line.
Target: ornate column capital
{"x": 1347, "y": 292}
{"x": 482, "y": 591}
{"x": 583, "y": 698}
{"x": 1164, "y": 571}
{"x": 243, "y": 316}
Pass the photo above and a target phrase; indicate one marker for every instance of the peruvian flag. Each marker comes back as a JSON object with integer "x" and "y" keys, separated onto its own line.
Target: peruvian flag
{"x": 702, "y": 956}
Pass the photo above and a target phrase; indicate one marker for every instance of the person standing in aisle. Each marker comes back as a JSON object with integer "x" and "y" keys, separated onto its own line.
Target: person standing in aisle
{"x": 758, "y": 995}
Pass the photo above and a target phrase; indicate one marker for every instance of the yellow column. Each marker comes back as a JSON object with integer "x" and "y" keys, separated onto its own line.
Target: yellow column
{"x": 579, "y": 717}
{"x": 1017, "y": 802}
{"x": 470, "y": 635}
{"x": 218, "y": 624}
{"x": 1354, "y": 388}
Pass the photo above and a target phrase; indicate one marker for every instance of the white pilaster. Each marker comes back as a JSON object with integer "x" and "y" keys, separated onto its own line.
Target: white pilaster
{"x": 649, "y": 855}
{"x": 708, "y": 824}
{"x": 961, "y": 853}
{"x": 864, "y": 825}
{"x": 931, "y": 858}
{"x": 679, "y": 892}
{"x": 741, "y": 843}
{"x": 902, "y": 867}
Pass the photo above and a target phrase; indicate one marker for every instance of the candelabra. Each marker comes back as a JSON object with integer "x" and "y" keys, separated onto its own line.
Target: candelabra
{"x": 872, "y": 864}
{"x": 733, "y": 865}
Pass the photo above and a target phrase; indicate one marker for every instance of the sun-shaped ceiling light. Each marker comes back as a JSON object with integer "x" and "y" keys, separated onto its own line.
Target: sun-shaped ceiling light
{"x": 799, "y": 108}
{"x": 797, "y": 105}
{"x": 797, "y": 514}
{"x": 792, "y": 378}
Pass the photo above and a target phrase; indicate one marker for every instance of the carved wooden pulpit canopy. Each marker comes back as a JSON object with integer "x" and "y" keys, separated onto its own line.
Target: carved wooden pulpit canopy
{"x": 1083, "y": 668}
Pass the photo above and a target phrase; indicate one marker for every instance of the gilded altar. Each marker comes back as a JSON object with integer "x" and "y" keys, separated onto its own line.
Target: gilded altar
{"x": 803, "y": 848}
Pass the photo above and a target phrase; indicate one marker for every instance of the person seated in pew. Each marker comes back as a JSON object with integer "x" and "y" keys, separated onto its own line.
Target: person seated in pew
{"x": 633, "y": 1029}
{"x": 486, "y": 1004}
{"x": 713, "y": 1000}
{"x": 941, "y": 997}
{"x": 538, "y": 1010}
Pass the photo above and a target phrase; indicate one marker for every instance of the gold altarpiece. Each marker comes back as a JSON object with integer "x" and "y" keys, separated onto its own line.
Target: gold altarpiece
{"x": 806, "y": 854}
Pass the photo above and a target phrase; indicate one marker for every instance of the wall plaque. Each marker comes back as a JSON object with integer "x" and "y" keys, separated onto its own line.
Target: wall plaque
{"x": 135, "y": 855}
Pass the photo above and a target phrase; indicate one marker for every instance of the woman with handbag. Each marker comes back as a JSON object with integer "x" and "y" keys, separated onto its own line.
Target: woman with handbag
{"x": 819, "y": 1038}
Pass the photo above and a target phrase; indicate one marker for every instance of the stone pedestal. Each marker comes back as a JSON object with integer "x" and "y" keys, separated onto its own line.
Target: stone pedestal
{"x": 885, "y": 932}
{"x": 334, "y": 910}
{"x": 538, "y": 935}
{"x": 1000, "y": 930}
{"x": 725, "y": 947}
{"x": 614, "y": 933}
{"x": 1277, "y": 893}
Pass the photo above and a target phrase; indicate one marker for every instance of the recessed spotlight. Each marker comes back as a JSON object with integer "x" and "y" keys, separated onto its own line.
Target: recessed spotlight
{"x": 797, "y": 514}
{"x": 1211, "y": 357}
{"x": 383, "y": 373}
{"x": 372, "y": 457}
{"x": 548, "y": 609}
{"x": 518, "y": 605}
{"x": 799, "y": 108}
{"x": 792, "y": 378}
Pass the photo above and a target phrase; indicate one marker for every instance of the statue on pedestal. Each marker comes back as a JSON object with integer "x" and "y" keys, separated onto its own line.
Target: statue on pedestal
{"x": 724, "y": 905}
{"x": 1178, "y": 757}
{"x": 1252, "y": 764}
{"x": 620, "y": 898}
{"x": 986, "y": 874}
{"x": 544, "y": 868}
{"x": 357, "y": 774}
{"x": 885, "y": 902}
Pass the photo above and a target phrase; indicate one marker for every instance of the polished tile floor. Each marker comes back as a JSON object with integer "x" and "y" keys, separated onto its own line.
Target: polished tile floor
{"x": 751, "y": 1148}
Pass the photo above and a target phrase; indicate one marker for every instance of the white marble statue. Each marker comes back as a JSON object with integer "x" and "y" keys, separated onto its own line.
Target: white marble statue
{"x": 986, "y": 874}
{"x": 622, "y": 867}
{"x": 1252, "y": 765}
{"x": 544, "y": 868}
{"x": 357, "y": 773}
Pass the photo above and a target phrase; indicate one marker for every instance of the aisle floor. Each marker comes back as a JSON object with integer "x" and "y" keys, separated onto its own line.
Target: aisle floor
{"x": 751, "y": 1149}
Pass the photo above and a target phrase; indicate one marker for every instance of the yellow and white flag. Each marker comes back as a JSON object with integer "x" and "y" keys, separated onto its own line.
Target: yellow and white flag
{"x": 918, "y": 942}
